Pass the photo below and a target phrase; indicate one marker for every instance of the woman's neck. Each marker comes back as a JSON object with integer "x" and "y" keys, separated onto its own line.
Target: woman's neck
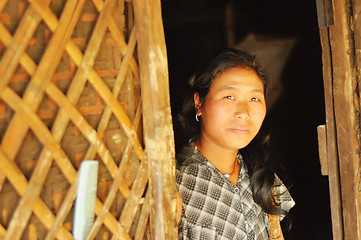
{"x": 221, "y": 158}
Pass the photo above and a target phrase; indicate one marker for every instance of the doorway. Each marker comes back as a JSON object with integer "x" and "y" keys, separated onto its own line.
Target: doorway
{"x": 195, "y": 29}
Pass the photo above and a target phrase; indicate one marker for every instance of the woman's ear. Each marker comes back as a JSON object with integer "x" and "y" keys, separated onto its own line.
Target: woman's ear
{"x": 197, "y": 103}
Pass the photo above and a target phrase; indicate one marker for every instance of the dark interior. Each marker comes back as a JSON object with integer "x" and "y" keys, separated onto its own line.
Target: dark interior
{"x": 195, "y": 29}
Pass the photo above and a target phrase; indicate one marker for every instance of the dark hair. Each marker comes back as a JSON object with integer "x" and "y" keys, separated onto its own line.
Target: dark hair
{"x": 256, "y": 155}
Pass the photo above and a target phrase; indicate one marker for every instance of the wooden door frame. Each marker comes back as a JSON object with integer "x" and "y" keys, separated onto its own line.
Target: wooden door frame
{"x": 340, "y": 36}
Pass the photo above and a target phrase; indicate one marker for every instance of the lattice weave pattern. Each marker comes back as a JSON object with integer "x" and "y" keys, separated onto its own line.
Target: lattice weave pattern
{"x": 69, "y": 91}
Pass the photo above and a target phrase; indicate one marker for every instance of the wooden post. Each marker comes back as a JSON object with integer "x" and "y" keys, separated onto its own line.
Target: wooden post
{"x": 356, "y": 26}
{"x": 158, "y": 131}
{"x": 344, "y": 93}
{"x": 342, "y": 101}
{"x": 331, "y": 142}
{"x": 325, "y": 20}
{"x": 341, "y": 44}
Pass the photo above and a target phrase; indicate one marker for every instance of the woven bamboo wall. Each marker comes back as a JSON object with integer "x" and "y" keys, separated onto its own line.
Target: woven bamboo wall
{"x": 71, "y": 89}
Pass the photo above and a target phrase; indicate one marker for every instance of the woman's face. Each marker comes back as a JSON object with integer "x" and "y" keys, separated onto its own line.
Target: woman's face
{"x": 233, "y": 110}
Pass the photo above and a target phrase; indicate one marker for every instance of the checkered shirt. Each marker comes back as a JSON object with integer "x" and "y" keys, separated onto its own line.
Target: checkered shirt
{"x": 214, "y": 208}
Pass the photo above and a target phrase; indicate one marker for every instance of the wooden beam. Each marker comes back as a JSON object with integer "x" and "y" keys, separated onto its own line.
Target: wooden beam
{"x": 331, "y": 141}
{"x": 347, "y": 126}
{"x": 157, "y": 122}
{"x": 356, "y": 10}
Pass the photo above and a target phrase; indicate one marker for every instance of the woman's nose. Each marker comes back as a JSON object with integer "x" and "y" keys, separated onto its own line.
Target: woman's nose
{"x": 242, "y": 111}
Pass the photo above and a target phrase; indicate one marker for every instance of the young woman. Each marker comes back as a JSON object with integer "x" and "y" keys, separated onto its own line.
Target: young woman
{"x": 225, "y": 177}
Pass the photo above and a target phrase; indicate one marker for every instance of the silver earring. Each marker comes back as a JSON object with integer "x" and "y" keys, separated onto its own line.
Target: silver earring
{"x": 197, "y": 118}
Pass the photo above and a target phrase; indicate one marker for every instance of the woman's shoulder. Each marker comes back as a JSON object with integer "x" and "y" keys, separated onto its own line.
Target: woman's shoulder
{"x": 192, "y": 167}
{"x": 189, "y": 157}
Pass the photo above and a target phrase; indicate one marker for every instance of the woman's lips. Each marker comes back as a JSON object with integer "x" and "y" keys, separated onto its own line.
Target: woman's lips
{"x": 240, "y": 131}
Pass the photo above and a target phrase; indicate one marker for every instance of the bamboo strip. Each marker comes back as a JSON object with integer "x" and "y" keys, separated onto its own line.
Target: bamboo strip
{"x": 103, "y": 123}
{"x": 19, "y": 220}
{"x": 64, "y": 209}
{"x": 2, "y": 231}
{"x": 133, "y": 93}
{"x": 9, "y": 61}
{"x": 51, "y": 20}
{"x": 113, "y": 28}
{"x": 119, "y": 113}
{"x": 111, "y": 223}
{"x": 85, "y": 58}
{"x": 143, "y": 219}
{"x": 110, "y": 220}
{"x": 21, "y": 214}
{"x": 74, "y": 91}
{"x": 19, "y": 182}
{"x": 41, "y": 131}
{"x": 63, "y": 162}
{"x": 32, "y": 96}
{"x": 116, "y": 182}
{"x": 25, "y": 207}
{"x": 27, "y": 62}
{"x": 2, "y": 4}
{"x": 15, "y": 50}
{"x": 80, "y": 122}
{"x": 90, "y": 54}
{"x": 46, "y": 12}
{"x": 111, "y": 194}
{"x": 104, "y": 91}
{"x": 30, "y": 67}
{"x": 80, "y": 76}
{"x": 55, "y": 49}
{"x": 50, "y": 16}
{"x": 119, "y": 39}
{"x": 131, "y": 206}
{"x": 11, "y": 143}
{"x": 107, "y": 218}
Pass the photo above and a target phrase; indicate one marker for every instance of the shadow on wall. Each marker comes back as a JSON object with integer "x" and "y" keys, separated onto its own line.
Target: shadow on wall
{"x": 272, "y": 53}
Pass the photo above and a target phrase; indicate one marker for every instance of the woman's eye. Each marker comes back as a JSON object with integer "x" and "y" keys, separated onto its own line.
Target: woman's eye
{"x": 254, "y": 99}
{"x": 229, "y": 97}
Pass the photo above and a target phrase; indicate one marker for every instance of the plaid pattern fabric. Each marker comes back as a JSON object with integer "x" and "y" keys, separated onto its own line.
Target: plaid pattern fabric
{"x": 214, "y": 208}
